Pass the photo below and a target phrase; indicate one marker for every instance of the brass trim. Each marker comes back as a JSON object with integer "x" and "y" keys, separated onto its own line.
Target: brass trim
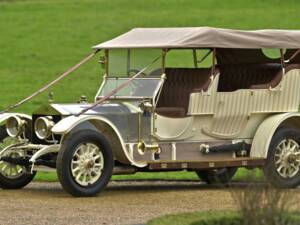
{"x": 106, "y": 55}
{"x": 142, "y": 147}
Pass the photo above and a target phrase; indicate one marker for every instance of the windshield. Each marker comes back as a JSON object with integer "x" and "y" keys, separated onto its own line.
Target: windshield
{"x": 137, "y": 88}
{"x": 128, "y": 62}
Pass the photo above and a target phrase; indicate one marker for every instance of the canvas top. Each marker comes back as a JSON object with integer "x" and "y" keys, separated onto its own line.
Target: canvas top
{"x": 203, "y": 37}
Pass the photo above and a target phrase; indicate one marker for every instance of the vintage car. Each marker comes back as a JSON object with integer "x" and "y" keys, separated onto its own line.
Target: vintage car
{"x": 200, "y": 99}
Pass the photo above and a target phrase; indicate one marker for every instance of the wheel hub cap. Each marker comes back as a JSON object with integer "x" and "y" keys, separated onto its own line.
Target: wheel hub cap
{"x": 287, "y": 158}
{"x": 87, "y": 164}
{"x": 9, "y": 170}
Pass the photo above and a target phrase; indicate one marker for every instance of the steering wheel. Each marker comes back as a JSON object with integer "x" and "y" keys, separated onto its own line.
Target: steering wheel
{"x": 133, "y": 72}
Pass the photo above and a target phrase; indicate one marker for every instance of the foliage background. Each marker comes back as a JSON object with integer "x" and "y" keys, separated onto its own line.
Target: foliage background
{"x": 40, "y": 39}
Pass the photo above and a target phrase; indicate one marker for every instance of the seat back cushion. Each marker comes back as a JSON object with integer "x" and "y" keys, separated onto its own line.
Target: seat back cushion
{"x": 179, "y": 84}
{"x": 247, "y": 76}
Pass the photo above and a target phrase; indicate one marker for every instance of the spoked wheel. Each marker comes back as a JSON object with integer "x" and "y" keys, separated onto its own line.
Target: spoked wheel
{"x": 12, "y": 176}
{"x": 217, "y": 176}
{"x": 282, "y": 167}
{"x": 85, "y": 163}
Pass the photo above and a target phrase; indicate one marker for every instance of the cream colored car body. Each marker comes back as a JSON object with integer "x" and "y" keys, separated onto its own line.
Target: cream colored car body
{"x": 246, "y": 115}
{"x": 149, "y": 115}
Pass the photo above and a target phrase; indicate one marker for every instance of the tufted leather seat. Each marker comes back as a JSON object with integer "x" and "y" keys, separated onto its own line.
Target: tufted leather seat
{"x": 180, "y": 83}
{"x": 249, "y": 76}
{"x": 289, "y": 67}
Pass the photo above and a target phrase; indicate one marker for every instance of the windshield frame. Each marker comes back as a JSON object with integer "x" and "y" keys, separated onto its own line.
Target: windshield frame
{"x": 107, "y": 59}
{"x": 161, "y": 77}
{"x": 156, "y": 91}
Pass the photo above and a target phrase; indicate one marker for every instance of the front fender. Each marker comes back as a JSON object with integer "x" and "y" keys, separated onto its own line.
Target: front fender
{"x": 5, "y": 116}
{"x": 67, "y": 124}
{"x": 265, "y": 132}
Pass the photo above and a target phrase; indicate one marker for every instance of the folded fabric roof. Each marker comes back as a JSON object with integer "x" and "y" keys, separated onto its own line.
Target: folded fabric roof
{"x": 203, "y": 37}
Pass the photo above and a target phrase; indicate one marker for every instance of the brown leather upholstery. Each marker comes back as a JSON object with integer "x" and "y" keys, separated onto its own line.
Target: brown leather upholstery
{"x": 249, "y": 76}
{"x": 277, "y": 78}
{"x": 171, "y": 111}
{"x": 180, "y": 83}
{"x": 289, "y": 67}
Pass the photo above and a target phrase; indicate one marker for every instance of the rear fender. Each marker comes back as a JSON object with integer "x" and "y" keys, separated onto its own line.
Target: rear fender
{"x": 267, "y": 129}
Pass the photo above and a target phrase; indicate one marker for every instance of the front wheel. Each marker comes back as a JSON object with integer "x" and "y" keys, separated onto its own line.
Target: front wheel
{"x": 85, "y": 163}
{"x": 12, "y": 176}
{"x": 282, "y": 168}
{"x": 217, "y": 176}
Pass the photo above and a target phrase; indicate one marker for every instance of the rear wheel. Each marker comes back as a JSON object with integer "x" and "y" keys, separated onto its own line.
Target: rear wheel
{"x": 217, "y": 176}
{"x": 12, "y": 176}
{"x": 282, "y": 168}
{"x": 85, "y": 163}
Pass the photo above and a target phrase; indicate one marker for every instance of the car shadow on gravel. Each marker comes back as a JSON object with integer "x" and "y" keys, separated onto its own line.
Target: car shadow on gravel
{"x": 54, "y": 189}
{"x": 170, "y": 185}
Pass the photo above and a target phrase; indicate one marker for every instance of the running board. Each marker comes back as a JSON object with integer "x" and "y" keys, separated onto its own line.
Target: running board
{"x": 192, "y": 165}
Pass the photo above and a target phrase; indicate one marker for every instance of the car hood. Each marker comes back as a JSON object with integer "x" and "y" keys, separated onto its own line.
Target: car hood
{"x": 73, "y": 109}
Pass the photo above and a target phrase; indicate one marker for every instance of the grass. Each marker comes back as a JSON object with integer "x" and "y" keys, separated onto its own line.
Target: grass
{"x": 182, "y": 175}
{"x": 190, "y": 218}
{"x": 45, "y": 176}
{"x": 213, "y": 218}
{"x": 41, "y": 38}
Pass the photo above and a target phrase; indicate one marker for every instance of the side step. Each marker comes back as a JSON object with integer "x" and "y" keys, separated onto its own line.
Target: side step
{"x": 192, "y": 165}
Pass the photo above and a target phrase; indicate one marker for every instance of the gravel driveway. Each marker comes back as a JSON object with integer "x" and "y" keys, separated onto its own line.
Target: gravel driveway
{"x": 123, "y": 202}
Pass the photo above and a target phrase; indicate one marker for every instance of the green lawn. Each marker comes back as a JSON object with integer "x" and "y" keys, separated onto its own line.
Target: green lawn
{"x": 42, "y": 38}
{"x": 43, "y": 176}
{"x": 242, "y": 175}
{"x": 215, "y": 218}
{"x": 191, "y": 218}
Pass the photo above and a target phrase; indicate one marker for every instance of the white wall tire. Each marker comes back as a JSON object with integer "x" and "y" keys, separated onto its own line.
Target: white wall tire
{"x": 85, "y": 163}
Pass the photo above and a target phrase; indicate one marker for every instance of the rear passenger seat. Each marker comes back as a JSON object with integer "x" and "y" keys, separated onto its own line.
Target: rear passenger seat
{"x": 180, "y": 83}
{"x": 249, "y": 76}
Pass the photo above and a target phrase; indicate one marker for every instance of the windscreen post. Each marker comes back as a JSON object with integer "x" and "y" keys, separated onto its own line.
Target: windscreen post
{"x": 213, "y": 68}
{"x": 282, "y": 60}
{"x": 164, "y": 54}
